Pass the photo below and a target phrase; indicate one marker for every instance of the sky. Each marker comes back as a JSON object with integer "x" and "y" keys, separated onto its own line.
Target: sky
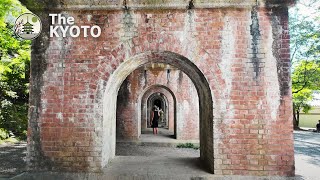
{"x": 302, "y": 6}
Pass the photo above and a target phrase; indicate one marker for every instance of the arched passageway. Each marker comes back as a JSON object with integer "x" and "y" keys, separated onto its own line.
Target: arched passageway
{"x": 178, "y": 61}
{"x": 159, "y": 100}
{"x": 147, "y": 81}
{"x": 146, "y": 104}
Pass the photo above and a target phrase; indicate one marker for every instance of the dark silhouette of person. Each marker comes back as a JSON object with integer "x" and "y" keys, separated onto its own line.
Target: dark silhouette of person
{"x": 155, "y": 119}
{"x": 318, "y": 126}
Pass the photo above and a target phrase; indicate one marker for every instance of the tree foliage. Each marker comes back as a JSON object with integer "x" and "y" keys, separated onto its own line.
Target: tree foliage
{"x": 305, "y": 79}
{"x": 306, "y": 76}
{"x": 14, "y": 70}
{"x": 301, "y": 104}
{"x": 304, "y": 26}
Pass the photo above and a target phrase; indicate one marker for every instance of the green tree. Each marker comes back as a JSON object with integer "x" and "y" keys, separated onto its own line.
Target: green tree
{"x": 306, "y": 75}
{"x": 14, "y": 70}
{"x": 305, "y": 79}
{"x": 304, "y": 20}
{"x": 301, "y": 103}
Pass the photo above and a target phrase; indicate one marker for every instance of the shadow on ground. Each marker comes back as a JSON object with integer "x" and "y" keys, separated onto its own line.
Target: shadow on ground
{"x": 12, "y": 158}
{"x": 308, "y": 144}
{"x": 161, "y": 131}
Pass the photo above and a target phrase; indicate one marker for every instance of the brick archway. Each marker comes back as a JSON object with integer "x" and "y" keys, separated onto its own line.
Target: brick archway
{"x": 178, "y": 61}
{"x": 243, "y": 52}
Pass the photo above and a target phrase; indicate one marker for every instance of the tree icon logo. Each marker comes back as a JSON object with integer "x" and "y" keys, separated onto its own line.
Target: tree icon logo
{"x": 28, "y": 26}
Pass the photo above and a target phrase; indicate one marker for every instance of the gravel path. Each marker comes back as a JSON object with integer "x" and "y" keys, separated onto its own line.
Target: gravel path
{"x": 12, "y": 159}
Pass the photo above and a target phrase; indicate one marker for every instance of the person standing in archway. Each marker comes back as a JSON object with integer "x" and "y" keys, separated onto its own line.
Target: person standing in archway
{"x": 318, "y": 127}
{"x": 155, "y": 119}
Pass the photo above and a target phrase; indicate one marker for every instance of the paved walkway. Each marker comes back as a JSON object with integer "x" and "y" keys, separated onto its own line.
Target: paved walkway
{"x": 307, "y": 154}
{"x": 164, "y": 138}
{"x": 162, "y": 163}
{"x": 138, "y": 161}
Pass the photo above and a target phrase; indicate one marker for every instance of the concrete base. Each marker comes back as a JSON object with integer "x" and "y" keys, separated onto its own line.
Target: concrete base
{"x": 96, "y": 176}
{"x": 162, "y": 164}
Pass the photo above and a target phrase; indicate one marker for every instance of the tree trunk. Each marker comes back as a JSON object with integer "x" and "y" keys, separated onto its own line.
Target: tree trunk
{"x": 298, "y": 118}
{"x": 295, "y": 119}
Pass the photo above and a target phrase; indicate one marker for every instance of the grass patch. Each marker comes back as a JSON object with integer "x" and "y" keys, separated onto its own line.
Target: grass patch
{"x": 307, "y": 120}
{"x": 187, "y": 145}
{"x": 6, "y": 137}
{"x": 9, "y": 140}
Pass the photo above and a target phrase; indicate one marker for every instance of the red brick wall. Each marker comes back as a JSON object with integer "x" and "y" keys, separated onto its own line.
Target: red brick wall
{"x": 243, "y": 54}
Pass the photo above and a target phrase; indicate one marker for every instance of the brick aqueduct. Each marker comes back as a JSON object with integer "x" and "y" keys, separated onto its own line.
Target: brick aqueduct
{"x": 220, "y": 70}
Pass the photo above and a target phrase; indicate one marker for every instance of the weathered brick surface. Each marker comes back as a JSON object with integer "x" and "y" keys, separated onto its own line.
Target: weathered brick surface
{"x": 242, "y": 54}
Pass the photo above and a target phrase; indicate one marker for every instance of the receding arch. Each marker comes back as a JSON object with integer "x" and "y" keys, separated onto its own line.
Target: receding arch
{"x": 184, "y": 64}
{"x": 144, "y": 96}
{"x": 154, "y": 98}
